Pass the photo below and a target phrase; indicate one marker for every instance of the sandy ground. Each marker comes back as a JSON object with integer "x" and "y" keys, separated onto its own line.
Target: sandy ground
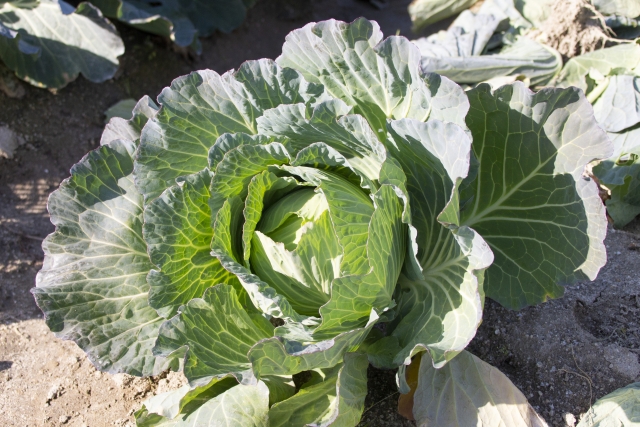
{"x": 563, "y": 354}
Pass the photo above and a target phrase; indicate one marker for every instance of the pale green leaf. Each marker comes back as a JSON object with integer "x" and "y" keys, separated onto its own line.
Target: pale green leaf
{"x": 336, "y": 401}
{"x": 354, "y": 297}
{"x": 281, "y": 356}
{"x": 218, "y": 334}
{"x": 620, "y": 408}
{"x": 629, "y": 8}
{"x": 526, "y": 194}
{"x": 303, "y": 275}
{"x": 171, "y": 403}
{"x": 264, "y": 188}
{"x": 457, "y": 54}
{"x": 469, "y": 392}
{"x": 262, "y": 296}
{"x": 228, "y": 141}
{"x": 441, "y": 311}
{"x": 575, "y": 72}
{"x": 380, "y": 79}
{"x": 92, "y": 287}
{"x": 123, "y": 109}
{"x": 238, "y": 167}
{"x": 329, "y": 123}
{"x": 618, "y": 108}
{"x": 198, "y": 108}
{"x": 178, "y": 233}
{"x": 440, "y": 298}
{"x": 239, "y": 406}
{"x": 426, "y": 12}
{"x": 350, "y": 210}
{"x": 129, "y": 130}
{"x": 535, "y": 11}
{"x": 50, "y": 44}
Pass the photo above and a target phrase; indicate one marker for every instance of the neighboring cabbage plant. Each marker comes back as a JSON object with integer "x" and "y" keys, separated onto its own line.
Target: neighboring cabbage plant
{"x": 482, "y": 46}
{"x": 426, "y": 12}
{"x": 49, "y": 42}
{"x": 611, "y": 79}
{"x": 183, "y": 21}
{"x": 620, "y": 408}
{"x": 273, "y": 230}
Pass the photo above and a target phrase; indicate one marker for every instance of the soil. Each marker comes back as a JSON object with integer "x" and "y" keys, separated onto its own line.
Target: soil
{"x": 563, "y": 354}
{"x": 574, "y": 27}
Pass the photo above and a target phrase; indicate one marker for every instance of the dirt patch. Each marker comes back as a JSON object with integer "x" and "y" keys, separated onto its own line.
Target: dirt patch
{"x": 573, "y": 28}
{"x": 50, "y": 382}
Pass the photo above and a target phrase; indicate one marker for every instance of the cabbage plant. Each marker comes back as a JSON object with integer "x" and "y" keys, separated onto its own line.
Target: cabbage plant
{"x": 479, "y": 47}
{"x": 274, "y": 230}
{"x": 611, "y": 79}
{"x": 48, "y": 43}
{"x": 182, "y": 21}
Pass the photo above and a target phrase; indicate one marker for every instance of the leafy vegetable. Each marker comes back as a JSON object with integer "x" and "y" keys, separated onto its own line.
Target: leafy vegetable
{"x": 460, "y": 53}
{"x": 628, "y": 8}
{"x": 259, "y": 224}
{"x": 425, "y": 12}
{"x": 183, "y": 21}
{"x": 616, "y": 110}
{"x": 48, "y": 43}
{"x": 586, "y": 71}
{"x": 469, "y": 392}
{"x": 618, "y": 409}
{"x": 122, "y": 108}
{"x": 611, "y": 78}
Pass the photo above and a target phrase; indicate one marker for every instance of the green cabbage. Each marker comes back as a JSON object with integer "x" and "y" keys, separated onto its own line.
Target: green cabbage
{"x": 313, "y": 215}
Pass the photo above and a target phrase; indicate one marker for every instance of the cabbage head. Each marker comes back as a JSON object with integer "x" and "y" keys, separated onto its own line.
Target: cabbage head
{"x": 274, "y": 230}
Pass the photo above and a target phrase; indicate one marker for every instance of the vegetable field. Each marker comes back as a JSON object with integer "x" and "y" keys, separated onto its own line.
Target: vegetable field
{"x": 306, "y": 219}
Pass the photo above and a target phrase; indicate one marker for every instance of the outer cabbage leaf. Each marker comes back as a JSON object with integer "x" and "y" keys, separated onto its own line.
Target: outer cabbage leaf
{"x": 218, "y": 403}
{"x": 218, "y": 334}
{"x": 202, "y": 106}
{"x": 621, "y": 175}
{"x": 92, "y": 287}
{"x": 170, "y": 404}
{"x": 618, "y": 108}
{"x": 526, "y": 194}
{"x": 50, "y": 44}
{"x": 617, "y": 409}
{"x": 604, "y": 61}
{"x": 458, "y": 53}
{"x": 512, "y": 10}
{"x": 535, "y": 11}
{"x": 122, "y": 109}
{"x": 470, "y": 392}
{"x": 426, "y": 12}
{"x": 119, "y": 128}
{"x": 628, "y": 8}
{"x": 380, "y": 78}
{"x": 338, "y": 400}
{"x": 440, "y": 295}
{"x": 26, "y": 4}
{"x": 181, "y": 20}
